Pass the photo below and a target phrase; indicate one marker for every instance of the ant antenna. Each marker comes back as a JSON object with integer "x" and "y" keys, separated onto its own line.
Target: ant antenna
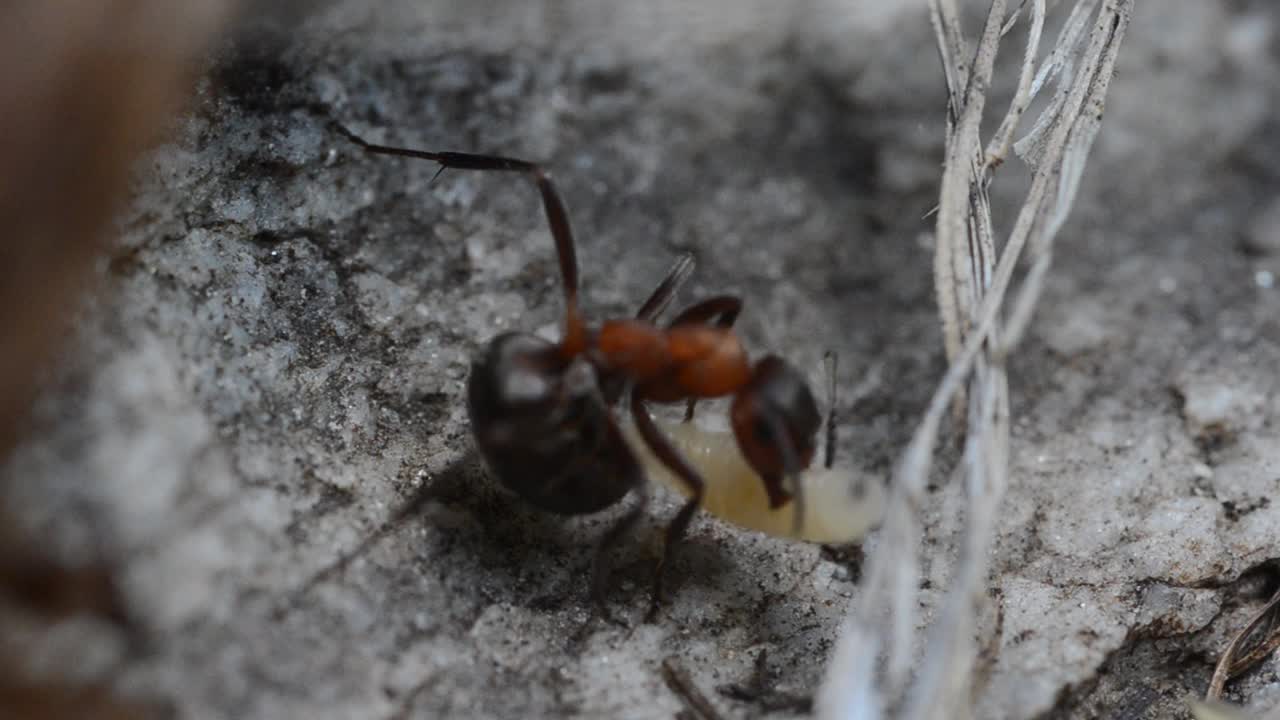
{"x": 831, "y": 360}
{"x": 436, "y": 157}
{"x": 552, "y": 204}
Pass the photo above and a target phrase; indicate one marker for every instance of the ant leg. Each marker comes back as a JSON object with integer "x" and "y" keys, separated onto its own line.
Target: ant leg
{"x": 671, "y": 457}
{"x": 666, "y": 291}
{"x": 600, "y": 561}
{"x": 831, "y": 360}
{"x": 552, "y": 205}
{"x": 725, "y": 310}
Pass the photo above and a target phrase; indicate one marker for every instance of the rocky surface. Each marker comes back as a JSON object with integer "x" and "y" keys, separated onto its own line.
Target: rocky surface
{"x": 262, "y": 415}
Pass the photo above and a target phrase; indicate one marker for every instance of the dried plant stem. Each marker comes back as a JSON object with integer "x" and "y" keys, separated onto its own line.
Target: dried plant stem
{"x": 972, "y": 288}
{"x": 1259, "y": 638}
{"x": 998, "y": 149}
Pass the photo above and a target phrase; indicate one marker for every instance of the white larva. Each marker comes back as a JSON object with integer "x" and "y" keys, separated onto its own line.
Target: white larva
{"x": 841, "y": 506}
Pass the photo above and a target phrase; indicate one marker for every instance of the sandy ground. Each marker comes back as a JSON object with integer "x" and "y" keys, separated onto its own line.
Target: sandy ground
{"x": 276, "y": 367}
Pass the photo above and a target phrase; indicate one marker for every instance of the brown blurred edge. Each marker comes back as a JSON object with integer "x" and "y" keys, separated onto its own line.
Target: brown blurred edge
{"x": 87, "y": 86}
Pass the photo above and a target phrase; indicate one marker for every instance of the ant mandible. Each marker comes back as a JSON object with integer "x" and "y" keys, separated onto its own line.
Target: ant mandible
{"x": 542, "y": 412}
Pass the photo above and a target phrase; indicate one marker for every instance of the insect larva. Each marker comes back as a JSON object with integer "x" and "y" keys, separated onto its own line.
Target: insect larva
{"x": 841, "y": 505}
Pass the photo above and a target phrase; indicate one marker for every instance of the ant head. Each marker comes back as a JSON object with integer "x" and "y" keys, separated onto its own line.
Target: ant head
{"x": 521, "y": 382}
{"x": 776, "y": 420}
{"x": 539, "y": 418}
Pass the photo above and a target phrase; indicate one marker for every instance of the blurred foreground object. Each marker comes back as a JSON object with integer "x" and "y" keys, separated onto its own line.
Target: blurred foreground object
{"x": 86, "y": 87}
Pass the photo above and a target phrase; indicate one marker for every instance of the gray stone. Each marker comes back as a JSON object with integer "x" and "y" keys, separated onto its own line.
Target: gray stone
{"x": 276, "y": 369}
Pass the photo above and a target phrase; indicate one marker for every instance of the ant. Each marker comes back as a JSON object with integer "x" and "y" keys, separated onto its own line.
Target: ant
{"x": 542, "y": 412}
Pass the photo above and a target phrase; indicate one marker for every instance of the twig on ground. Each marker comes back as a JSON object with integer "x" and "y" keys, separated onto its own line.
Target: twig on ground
{"x": 1259, "y": 638}
{"x": 679, "y": 682}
